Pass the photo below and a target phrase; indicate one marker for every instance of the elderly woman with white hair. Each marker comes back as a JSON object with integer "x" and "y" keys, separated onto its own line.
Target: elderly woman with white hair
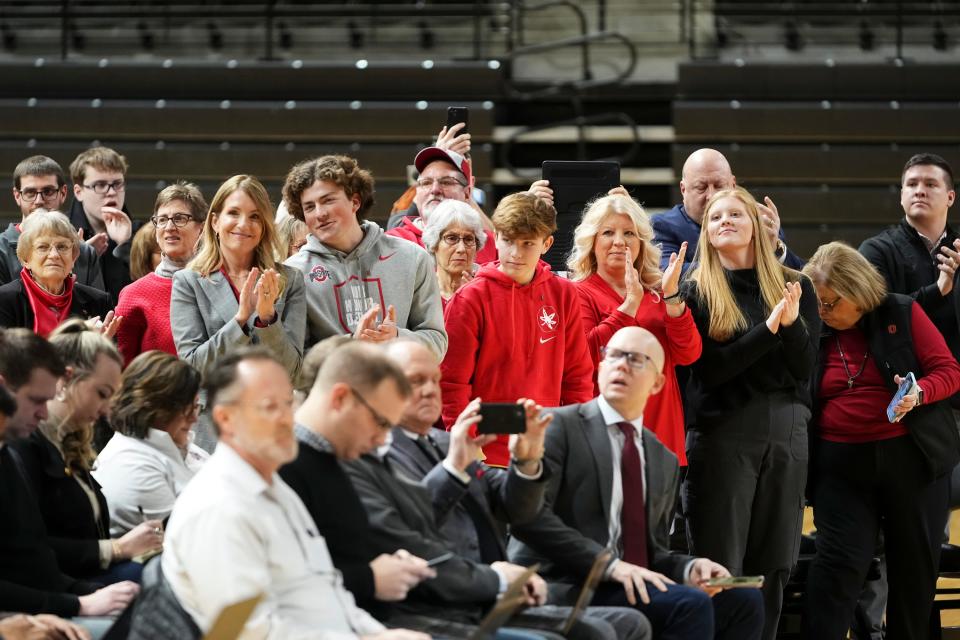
{"x": 453, "y": 236}
{"x": 47, "y": 292}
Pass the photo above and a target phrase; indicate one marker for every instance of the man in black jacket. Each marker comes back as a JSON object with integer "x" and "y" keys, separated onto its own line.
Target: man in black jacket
{"x": 919, "y": 256}
{"x": 99, "y": 189}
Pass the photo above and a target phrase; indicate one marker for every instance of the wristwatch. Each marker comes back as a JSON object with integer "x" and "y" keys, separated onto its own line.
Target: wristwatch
{"x": 919, "y": 395}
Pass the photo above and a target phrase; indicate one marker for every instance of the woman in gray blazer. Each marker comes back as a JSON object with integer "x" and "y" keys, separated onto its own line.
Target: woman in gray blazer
{"x": 234, "y": 292}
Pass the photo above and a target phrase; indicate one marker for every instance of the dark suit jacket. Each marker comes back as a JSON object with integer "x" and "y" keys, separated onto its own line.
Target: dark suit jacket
{"x": 74, "y": 533}
{"x": 574, "y": 527}
{"x": 674, "y": 227}
{"x": 15, "y": 308}
{"x": 336, "y": 509}
{"x": 503, "y": 496}
{"x": 401, "y": 517}
{"x": 30, "y": 578}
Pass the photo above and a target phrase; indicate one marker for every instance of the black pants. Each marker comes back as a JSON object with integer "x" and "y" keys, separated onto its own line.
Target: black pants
{"x": 859, "y": 490}
{"x": 744, "y": 495}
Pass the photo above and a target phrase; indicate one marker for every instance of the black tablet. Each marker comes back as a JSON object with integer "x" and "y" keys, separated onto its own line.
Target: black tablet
{"x": 574, "y": 184}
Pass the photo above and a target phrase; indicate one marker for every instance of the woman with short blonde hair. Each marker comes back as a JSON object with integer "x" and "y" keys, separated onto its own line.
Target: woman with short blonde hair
{"x": 875, "y": 469}
{"x": 747, "y": 399}
{"x": 616, "y": 268}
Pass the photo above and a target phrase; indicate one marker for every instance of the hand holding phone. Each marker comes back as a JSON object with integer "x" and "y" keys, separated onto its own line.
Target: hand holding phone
{"x": 908, "y": 385}
{"x": 502, "y": 417}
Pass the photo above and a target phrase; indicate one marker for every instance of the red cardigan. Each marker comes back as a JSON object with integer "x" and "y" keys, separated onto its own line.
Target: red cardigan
{"x": 145, "y": 307}
{"x": 681, "y": 345}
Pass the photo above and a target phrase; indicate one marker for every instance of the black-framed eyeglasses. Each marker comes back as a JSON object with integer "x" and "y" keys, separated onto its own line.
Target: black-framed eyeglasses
{"x": 828, "y": 306}
{"x": 29, "y": 195}
{"x": 382, "y": 422}
{"x": 178, "y": 219}
{"x": 445, "y": 183}
{"x": 453, "y": 239}
{"x": 635, "y": 359}
{"x": 102, "y": 186}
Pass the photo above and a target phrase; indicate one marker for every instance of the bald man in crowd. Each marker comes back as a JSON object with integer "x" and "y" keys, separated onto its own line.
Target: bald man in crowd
{"x": 705, "y": 172}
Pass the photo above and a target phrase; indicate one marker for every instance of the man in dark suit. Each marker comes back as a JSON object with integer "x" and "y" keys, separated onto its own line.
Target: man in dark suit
{"x": 705, "y": 172}
{"x": 613, "y": 485}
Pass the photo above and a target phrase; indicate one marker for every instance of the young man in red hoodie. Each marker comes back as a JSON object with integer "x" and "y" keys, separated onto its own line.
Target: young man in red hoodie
{"x": 514, "y": 330}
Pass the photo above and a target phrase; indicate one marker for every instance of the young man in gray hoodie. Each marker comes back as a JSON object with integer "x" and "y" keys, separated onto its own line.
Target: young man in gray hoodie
{"x": 359, "y": 281}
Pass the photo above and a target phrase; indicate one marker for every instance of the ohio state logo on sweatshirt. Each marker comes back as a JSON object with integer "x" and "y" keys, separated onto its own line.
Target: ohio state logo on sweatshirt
{"x": 355, "y": 297}
{"x": 547, "y": 319}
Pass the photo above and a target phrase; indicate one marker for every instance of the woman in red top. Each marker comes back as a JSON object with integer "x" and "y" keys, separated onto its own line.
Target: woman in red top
{"x": 867, "y": 473}
{"x": 616, "y": 268}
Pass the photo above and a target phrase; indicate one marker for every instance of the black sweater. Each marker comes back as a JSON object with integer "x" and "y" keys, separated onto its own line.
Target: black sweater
{"x": 30, "y": 578}
{"x": 743, "y": 371}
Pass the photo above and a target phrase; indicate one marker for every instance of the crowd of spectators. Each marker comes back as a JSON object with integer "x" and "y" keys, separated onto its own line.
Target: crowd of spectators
{"x": 235, "y": 401}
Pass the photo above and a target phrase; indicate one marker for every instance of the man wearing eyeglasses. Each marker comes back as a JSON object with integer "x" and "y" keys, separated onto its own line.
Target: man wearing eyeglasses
{"x": 444, "y": 175}
{"x": 39, "y": 183}
{"x": 614, "y": 486}
{"x": 99, "y": 188}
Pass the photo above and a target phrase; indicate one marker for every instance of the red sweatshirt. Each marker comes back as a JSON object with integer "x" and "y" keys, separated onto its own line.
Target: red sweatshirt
{"x": 681, "y": 345}
{"x": 409, "y": 231}
{"x": 145, "y": 307}
{"x": 508, "y": 342}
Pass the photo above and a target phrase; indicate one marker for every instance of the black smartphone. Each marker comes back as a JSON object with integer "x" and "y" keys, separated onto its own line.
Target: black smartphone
{"x": 456, "y": 115}
{"x": 501, "y": 417}
{"x": 432, "y": 562}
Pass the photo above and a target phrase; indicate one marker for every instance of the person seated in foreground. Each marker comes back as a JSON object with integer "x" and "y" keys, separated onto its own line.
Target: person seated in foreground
{"x": 613, "y": 485}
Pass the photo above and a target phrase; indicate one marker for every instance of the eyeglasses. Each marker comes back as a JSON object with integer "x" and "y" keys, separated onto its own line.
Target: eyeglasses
{"x": 29, "y": 195}
{"x": 828, "y": 306}
{"x": 178, "y": 220}
{"x": 445, "y": 183}
{"x": 62, "y": 248}
{"x": 382, "y": 422}
{"x": 102, "y": 186}
{"x": 453, "y": 239}
{"x": 635, "y": 359}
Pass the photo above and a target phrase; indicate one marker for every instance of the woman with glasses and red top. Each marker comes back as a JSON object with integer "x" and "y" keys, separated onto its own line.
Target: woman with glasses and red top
{"x": 616, "y": 268}
{"x": 234, "y": 292}
{"x": 145, "y": 303}
{"x": 868, "y": 473}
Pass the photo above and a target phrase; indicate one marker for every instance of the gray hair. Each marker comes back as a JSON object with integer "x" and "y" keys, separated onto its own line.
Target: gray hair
{"x": 450, "y": 212}
{"x": 40, "y": 222}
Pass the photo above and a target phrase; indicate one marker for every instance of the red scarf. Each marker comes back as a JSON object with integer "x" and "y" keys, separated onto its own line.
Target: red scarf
{"x": 49, "y": 309}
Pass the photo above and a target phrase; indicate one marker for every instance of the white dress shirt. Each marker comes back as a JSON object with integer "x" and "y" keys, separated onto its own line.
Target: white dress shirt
{"x": 232, "y": 535}
{"x": 145, "y": 475}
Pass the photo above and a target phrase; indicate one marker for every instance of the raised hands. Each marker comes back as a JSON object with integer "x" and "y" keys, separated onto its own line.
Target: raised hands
{"x": 107, "y": 327}
{"x": 634, "y": 289}
{"x": 119, "y": 227}
{"x": 98, "y": 241}
{"x": 949, "y": 258}
{"x": 770, "y": 218}
{"x": 368, "y": 329}
{"x": 528, "y": 446}
{"x": 541, "y": 189}
{"x": 464, "y": 446}
{"x": 452, "y": 140}
{"x": 267, "y": 291}
{"x": 671, "y": 275}
{"x": 787, "y": 310}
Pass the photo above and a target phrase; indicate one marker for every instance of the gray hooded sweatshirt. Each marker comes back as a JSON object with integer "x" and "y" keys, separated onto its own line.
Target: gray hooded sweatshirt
{"x": 381, "y": 270}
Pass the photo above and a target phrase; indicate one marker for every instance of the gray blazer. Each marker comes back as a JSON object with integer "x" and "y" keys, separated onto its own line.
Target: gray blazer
{"x": 502, "y": 495}
{"x": 201, "y": 318}
{"x": 574, "y": 527}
